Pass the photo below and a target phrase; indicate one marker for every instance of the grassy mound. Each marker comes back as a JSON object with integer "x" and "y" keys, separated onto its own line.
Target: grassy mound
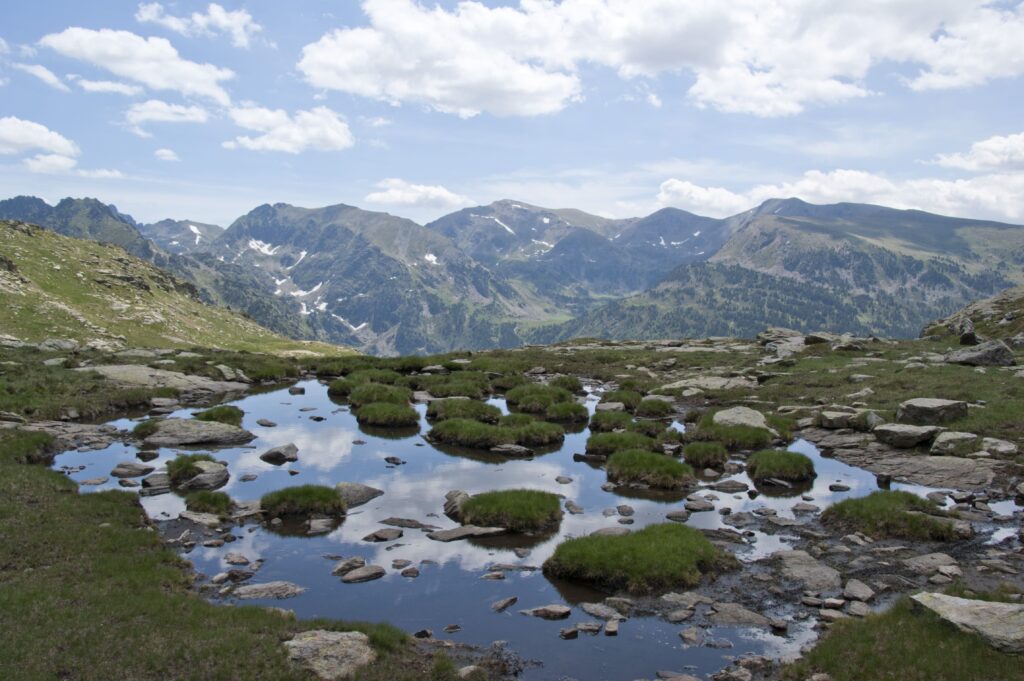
{"x": 368, "y": 393}
{"x": 225, "y": 413}
{"x": 706, "y": 454}
{"x": 472, "y": 384}
{"x": 204, "y": 501}
{"x": 780, "y": 464}
{"x": 536, "y": 398}
{"x": 904, "y": 643}
{"x": 567, "y": 412}
{"x": 183, "y": 467}
{"x": 303, "y": 500}
{"x": 441, "y": 410}
{"x": 386, "y": 376}
{"x": 340, "y": 387}
{"x": 506, "y": 382}
{"x": 609, "y": 443}
{"x": 522, "y": 510}
{"x": 663, "y": 556}
{"x": 885, "y": 514}
{"x": 733, "y": 437}
{"x": 655, "y": 409}
{"x": 607, "y": 421}
{"x": 387, "y": 415}
{"x": 144, "y": 429}
{"x": 570, "y": 383}
{"x": 477, "y": 435}
{"x": 640, "y": 467}
{"x": 630, "y": 398}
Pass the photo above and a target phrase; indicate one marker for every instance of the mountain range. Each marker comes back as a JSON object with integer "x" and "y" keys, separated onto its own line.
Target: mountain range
{"x": 509, "y": 273}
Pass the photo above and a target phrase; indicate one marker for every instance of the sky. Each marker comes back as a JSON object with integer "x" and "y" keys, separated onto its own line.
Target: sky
{"x": 193, "y": 110}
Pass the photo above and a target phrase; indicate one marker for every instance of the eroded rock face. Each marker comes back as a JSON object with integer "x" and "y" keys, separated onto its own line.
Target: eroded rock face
{"x": 1000, "y": 625}
{"x": 925, "y": 411}
{"x": 179, "y": 432}
{"x": 331, "y": 655}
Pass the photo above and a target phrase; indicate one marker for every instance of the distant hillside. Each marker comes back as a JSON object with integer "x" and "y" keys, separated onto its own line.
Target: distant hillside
{"x": 1001, "y": 316}
{"x": 52, "y": 286}
{"x": 181, "y": 236}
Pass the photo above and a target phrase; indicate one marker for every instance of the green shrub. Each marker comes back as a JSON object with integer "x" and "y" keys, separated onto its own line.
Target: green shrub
{"x": 536, "y": 398}
{"x": 387, "y": 415}
{"x": 369, "y": 393}
{"x": 340, "y": 387}
{"x": 570, "y": 383}
{"x": 303, "y": 500}
{"x": 642, "y": 467}
{"x": 569, "y": 412}
{"x": 609, "y": 443}
{"x": 225, "y": 413}
{"x": 607, "y": 421}
{"x": 654, "y": 409}
{"x": 896, "y": 514}
{"x": 706, "y": 454}
{"x": 521, "y": 510}
{"x": 629, "y": 398}
{"x": 440, "y": 410}
{"x": 663, "y": 556}
{"x": 205, "y": 501}
{"x": 183, "y": 467}
{"x": 779, "y": 464}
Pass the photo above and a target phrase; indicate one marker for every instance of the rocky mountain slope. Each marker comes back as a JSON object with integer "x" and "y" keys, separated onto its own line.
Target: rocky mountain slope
{"x": 181, "y": 236}
{"x": 52, "y": 286}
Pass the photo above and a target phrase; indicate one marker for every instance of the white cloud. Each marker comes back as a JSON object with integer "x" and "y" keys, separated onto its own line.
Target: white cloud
{"x": 108, "y": 86}
{"x": 713, "y": 201}
{"x": 157, "y": 111}
{"x": 397, "y": 192}
{"x": 4, "y": 49}
{"x": 166, "y": 155}
{"x": 1001, "y": 151}
{"x": 49, "y": 163}
{"x": 238, "y": 24}
{"x": 102, "y": 174}
{"x": 654, "y": 100}
{"x": 377, "y": 121}
{"x": 44, "y": 74}
{"x": 18, "y": 136}
{"x": 319, "y": 129}
{"x": 761, "y": 57}
{"x": 153, "y": 62}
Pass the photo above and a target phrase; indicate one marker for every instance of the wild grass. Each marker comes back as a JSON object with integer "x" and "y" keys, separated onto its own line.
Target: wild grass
{"x": 305, "y": 500}
{"x": 607, "y": 421}
{"x": 905, "y": 643}
{"x": 441, "y": 410}
{"x": 369, "y": 393}
{"x": 25, "y": 446}
{"x": 224, "y": 413}
{"x": 609, "y": 443}
{"x": 472, "y": 384}
{"x": 521, "y": 510}
{"x": 567, "y": 412}
{"x": 888, "y": 513}
{"x": 706, "y": 454}
{"x": 387, "y": 415}
{"x": 506, "y": 382}
{"x": 641, "y": 467}
{"x": 630, "y": 398}
{"x": 183, "y": 467}
{"x": 477, "y": 435}
{"x": 340, "y": 387}
{"x": 386, "y": 376}
{"x": 535, "y": 398}
{"x": 570, "y": 383}
{"x": 205, "y": 501}
{"x": 733, "y": 437}
{"x": 144, "y": 429}
{"x": 780, "y": 465}
{"x": 658, "y": 557}
{"x": 654, "y": 409}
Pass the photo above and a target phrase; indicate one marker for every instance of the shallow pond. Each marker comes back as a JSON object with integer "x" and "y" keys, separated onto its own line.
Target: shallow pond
{"x": 449, "y": 589}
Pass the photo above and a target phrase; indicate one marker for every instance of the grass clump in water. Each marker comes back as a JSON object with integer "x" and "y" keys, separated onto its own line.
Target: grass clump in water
{"x": 386, "y": 376}
{"x": 663, "y": 556}
{"x": 630, "y": 398}
{"x": 779, "y": 464}
{"x": 567, "y": 412}
{"x": 608, "y": 443}
{"x": 144, "y": 429}
{"x": 641, "y": 467}
{"x": 536, "y": 398}
{"x": 340, "y": 387}
{"x": 521, "y": 510}
{"x": 570, "y": 383}
{"x": 654, "y": 409}
{"x": 477, "y": 435}
{"x": 733, "y": 437}
{"x": 225, "y": 413}
{"x": 183, "y": 467}
{"x": 205, "y": 501}
{"x": 607, "y": 421}
{"x": 369, "y": 393}
{"x": 304, "y": 500}
{"x": 387, "y": 415}
{"x": 896, "y": 514}
{"x": 441, "y": 410}
{"x": 706, "y": 454}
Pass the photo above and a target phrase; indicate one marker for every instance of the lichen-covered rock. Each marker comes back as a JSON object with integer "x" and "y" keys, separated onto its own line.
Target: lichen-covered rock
{"x": 180, "y": 432}
{"x": 1000, "y": 625}
{"x": 926, "y": 411}
{"x": 331, "y": 655}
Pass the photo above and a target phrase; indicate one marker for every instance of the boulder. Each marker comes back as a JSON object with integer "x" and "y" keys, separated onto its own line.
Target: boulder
{"x": 465, "y": 532}
{"x": 856, "y": 590}
{"x": 281, "y": 455}
{"x": 356, "y": 494}
{"x": 800, "y": 566}
{"x": 904, "y": 436}
{"x": 348, "y": 565}
{"x": 610, "y": 406}
{"x": 926, "y": 411}
{"x": 331, "y": 655}
{"x": 453, "y": 502}
{"x": 130, "y": 469}
{"x": 1001, "y": 448}
{"x": 989, "y": 354}
{"x": 952, "y": 443}
{"x": 740, "y": 416}
{"x": 277, "y": 589}
{"x": 549, "y": 612}
{"x": 367, "y": 573}
{"x": 180, "y": 432}
{"x": 1000, "y": 625}
{"x": 212, "y": 476}
{"x": 834, "y": 420}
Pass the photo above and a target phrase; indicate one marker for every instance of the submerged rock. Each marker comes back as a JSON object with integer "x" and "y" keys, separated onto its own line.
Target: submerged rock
{"x": 549, "y": 612}
{"x": 465, "y": 532}
{"x": 367, "y": 573}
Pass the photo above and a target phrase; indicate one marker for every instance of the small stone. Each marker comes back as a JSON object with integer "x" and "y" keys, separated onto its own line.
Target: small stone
{"x": 549, "y": 612}
{"x": 364, "y": 574}
{"x": 504, "y": 604}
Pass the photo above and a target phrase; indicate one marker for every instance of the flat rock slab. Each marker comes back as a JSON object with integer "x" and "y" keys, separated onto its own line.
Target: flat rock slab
{"x": 1000, "y": 625}
{"x": 141, "y": 375}
{"x": 951, "y": 472}
{"x": 903, "y": 436}
{"x": 277, "y": 589}
{"x": 131, "y": 469}
{"x": 367, "y": 573}
{"x": 205, "y": 519}
{"x": 712, "y": 383}
{"x": 408, "y": 524}
{"x": 355, "y": 494}
{"x": 549, "y": 612}
{"x": 180, "y": 432}
{"x": 929, "y": 562}
{"x": 926, "y": 411}
{"x": 388, "y": 534}
{"x": 331, "y": 655}
{"x": 465, "y": 532}
{"x": 801, "y": 567}
{"x": 736, "y": 615}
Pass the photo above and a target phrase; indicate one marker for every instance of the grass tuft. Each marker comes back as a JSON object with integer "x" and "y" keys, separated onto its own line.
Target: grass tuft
{"x": 387, "y": 415}
{"x": 205, "y": 501}
{"x": 183, "y": 467}
{"x": 890, "y": 513}
{"x": 655, "y": 409}
{"x": 706, "y": 454}
{"x": 607, "y": 421}
{"x": 630, "y": 398}
{"x": 369, "y": 393}
{"x": 303, "y": 500}
{"x": 441, "y": 410}
{"x": 570, "y": 383}
{"x": 779, "y": 464}
{"x": 609, "y": 443}
{"x": 521, "y": 510}
{"x": 733, "y": 437}
{"x": 641, "y": 467}
{"x": 536, "y": 398}
{"x": 340, "y": 387}
{"x": 476, "y": 435}
{"x": 225, "y": 413}
{"x": 567, "y": 412}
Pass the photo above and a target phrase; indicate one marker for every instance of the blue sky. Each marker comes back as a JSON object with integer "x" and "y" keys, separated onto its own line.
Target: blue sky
{"x": 204, "y": 111}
